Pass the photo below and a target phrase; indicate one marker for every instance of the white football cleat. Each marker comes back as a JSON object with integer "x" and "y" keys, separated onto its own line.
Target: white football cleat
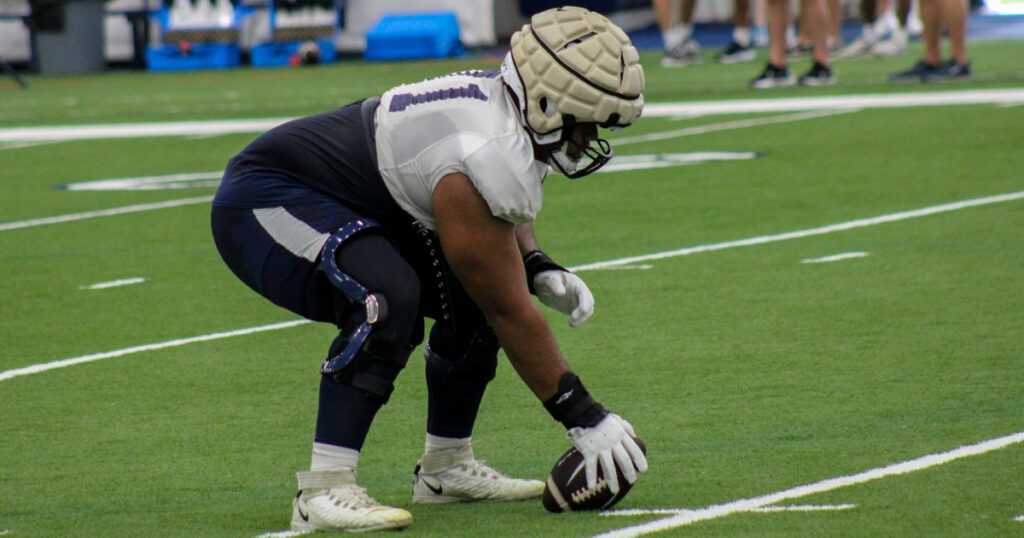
{"x": 892, "y": 47}
{"x": 331, "y": 501}
{"x": 859, "y": 48}
{"x": 454, "y": 475}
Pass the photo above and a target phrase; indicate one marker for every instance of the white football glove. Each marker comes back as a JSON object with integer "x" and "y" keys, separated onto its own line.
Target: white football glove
{"x": 608, "y": 443}
{"x": 566, "y": 293}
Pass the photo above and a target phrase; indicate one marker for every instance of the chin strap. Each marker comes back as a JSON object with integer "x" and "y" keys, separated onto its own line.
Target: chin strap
{"x": 599, "y": 156}
{"x": 599, "y": 152}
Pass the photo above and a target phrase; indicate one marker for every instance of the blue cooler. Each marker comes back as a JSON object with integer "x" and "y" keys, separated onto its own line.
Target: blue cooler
{"x": 413, "y": 36}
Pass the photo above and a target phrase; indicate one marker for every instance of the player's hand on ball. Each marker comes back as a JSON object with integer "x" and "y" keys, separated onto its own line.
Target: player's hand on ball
{"x": 608, "y": 443}
{"x": 566, "y": 293}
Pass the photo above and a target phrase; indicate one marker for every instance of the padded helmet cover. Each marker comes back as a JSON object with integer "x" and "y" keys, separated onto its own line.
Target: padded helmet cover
{"x": 570, "y": 61}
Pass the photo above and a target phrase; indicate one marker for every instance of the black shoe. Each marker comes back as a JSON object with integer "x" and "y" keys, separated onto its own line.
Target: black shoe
{"x": 736, "y": 53}
{"x": 819, "y": 75}
{"x": 773, "y": 77}
{"x": 919, "y": 72}
{"x": 949, "y": 72}
{"x": 685, "y": 53}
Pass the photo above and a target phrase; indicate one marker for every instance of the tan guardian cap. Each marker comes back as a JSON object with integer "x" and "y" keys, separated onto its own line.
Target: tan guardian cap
{"x": 574, "y": 62}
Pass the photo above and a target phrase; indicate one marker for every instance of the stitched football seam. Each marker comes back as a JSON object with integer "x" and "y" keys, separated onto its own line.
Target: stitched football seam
{"x": 583, "y": 493}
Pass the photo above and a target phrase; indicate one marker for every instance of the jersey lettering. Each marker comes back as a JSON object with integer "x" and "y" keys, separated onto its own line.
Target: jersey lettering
{"x": 477, "y": 73}
{"x": 403, "y": 100}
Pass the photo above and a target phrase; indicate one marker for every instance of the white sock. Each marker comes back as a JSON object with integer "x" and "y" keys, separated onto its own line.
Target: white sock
{"x": 761, "y": 36}
{"x": 676, "y": 35}
{"x": 327, "y": 457}
{"x": 435, "y": 443}
{"x": 886, "y": 23}
{"x": 687, "y": 31}
{"x": 741, "y": 35}
{"x": 867, "y": 32}
{"x": 672, "y": 37}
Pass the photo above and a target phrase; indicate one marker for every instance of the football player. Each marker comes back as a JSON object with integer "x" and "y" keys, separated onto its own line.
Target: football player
{"x": 418, "y": 203}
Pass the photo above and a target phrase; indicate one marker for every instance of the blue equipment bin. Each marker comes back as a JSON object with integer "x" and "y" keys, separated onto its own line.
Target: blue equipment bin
{"x": 202, "y": 56}
{"x": 276, "y": 54}
{"x": 414, "y": 35}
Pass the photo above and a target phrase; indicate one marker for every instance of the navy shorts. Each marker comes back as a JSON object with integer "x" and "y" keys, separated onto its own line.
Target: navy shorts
{"x": 276, "y": 252}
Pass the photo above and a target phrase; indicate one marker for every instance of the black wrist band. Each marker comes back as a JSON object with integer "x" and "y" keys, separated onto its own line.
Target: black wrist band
{"x": 535, "y": 262}
{"x": 572, "y": 405}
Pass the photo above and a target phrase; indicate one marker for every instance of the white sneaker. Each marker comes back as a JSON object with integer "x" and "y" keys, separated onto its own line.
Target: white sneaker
{"x": 914, "y": 26}
{"x": 886, "y": 24}
{"x": 892, "y": 47}
{"x": 858, "y": 48}
{"x": 331, "y": 501}
{"x": 454, "y": 475}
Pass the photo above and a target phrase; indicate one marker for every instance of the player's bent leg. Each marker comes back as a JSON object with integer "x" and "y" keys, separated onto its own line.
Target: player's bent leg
{"x": 371, "y": 349}
{"x": 448, "y": 471}
{"x": 459, "y": 365}
{"x": 276, "y": 251}
{"x": 358, "y": 378}
{"x": 331, "y": 501}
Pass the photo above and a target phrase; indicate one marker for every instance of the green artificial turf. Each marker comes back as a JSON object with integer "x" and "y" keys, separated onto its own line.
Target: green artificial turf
{"x": 745, "y": 371}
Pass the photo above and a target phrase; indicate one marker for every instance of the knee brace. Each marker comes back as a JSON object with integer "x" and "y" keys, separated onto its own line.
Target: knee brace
{"x": 358, "y": 359}
{"x": 374, "y": 305}
{"x": 475, "y": 360}
{"x": 373, "y": 368}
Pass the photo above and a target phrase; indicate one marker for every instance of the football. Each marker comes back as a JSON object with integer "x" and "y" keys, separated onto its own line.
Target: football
{"x": 566, "y": 488}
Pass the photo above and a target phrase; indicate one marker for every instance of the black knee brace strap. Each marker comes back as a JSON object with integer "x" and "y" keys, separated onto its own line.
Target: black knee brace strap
{"x": 374, "y": 368}
{"x": 478, "y": 363}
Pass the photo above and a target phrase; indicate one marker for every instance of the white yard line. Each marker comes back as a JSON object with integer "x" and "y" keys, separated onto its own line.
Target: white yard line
{"x": 724, "y": 126}
{"x": 761, "y": 509}
{"x": 805, "y": 508}
{"x": 811, "y": 107}
{"x": 34, "y": 369}
{"x": 115, "y": 283}
{"x": 745, "y": 505}
{"x": 104, "y": 213}
{"x": 136, "y": 130}
{"x": 599, "y": 265}
{"x": 835, "y": 257}
{"x": 861, "y": 223}
{"x": 625, "y": 163}
{"x": 629, "y": 512}
{"x": 20, "y": 145}
{"x": 693, "y": 108}
{"x": 142, "y": 182}
{"x": 641, "y": 267}
{"x": 791, "y": 104}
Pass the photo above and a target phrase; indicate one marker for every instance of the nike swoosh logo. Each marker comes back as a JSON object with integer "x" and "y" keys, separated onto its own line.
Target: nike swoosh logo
{"x": 436, "y": 490}
{"x": 303, "y": 515}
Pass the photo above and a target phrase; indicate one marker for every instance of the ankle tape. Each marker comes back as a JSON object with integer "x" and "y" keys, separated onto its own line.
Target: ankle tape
{"x": 326, "y": 479}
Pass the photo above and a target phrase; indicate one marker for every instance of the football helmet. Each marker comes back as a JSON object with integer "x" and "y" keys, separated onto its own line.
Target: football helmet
{"x": 572, "y": 66}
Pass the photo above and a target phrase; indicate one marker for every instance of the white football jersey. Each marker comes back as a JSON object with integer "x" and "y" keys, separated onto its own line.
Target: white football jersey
{"x": 464, "y": 122}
